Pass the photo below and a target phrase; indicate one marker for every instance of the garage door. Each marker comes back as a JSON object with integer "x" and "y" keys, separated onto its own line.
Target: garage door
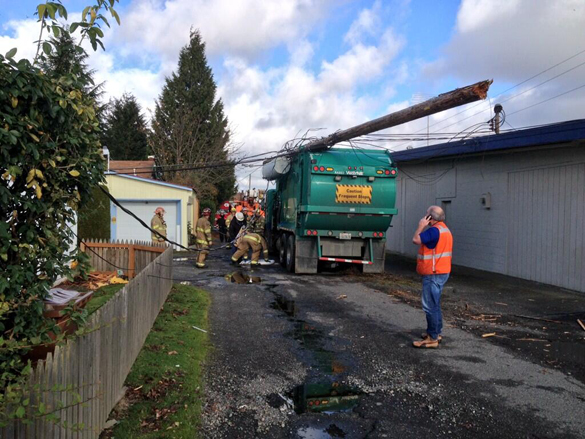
{"x": 128, "y": 227}
{"x": 546, "y": 235}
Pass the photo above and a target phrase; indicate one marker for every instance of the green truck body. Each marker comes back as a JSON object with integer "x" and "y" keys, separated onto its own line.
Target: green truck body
{"x": 333, "y": 206}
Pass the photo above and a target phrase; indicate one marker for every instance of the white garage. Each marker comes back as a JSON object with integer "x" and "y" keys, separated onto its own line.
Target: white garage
{"x": 129, "y": 228}
{"x": 142, "y": 196}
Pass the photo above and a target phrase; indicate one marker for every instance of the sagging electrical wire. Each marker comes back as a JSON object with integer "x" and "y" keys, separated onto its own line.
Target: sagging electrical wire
{"x": 143, "y": 224}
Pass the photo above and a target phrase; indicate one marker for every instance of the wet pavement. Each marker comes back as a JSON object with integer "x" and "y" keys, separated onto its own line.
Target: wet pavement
{"x": 330, "y": 356}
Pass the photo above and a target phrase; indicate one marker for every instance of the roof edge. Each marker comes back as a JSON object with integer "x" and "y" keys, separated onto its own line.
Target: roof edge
{"x": 558, "y": 133}
{"x": 148, "y": 180}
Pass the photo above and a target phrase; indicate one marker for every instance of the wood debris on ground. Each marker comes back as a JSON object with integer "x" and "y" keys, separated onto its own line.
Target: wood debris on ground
{"x": 486, "y": 317}
{"x": 581, "y": 324}
{"x": 95, "y": 280}
{"x": 489, "y": 334}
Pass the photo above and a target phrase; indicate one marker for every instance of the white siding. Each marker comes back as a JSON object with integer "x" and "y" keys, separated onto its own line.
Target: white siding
{"x": 547, "y": 218}
{"x": 548, "y": 183}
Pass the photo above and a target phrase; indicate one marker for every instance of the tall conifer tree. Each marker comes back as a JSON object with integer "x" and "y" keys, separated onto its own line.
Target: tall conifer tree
{"x": 68, "y": 59}
{"x": 189, "y": 125}
{"x": 125, "y": 131}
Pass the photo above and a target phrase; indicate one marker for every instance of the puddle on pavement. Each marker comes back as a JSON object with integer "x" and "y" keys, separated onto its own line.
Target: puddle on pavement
{"x": 333, "y": 431}
{"x": 285, "y": 305}
{"x": 311, "y": 338}
{"x": 325, "y": 396}
{"x": 239, "y": 277}
{"x": 323, "y": 392}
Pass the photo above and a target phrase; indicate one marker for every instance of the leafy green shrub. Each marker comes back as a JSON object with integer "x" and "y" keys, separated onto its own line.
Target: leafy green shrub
{"x": 50, "y": 160}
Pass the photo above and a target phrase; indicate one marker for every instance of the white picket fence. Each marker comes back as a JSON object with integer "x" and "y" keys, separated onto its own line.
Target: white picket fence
{"x": 93, "y": 367}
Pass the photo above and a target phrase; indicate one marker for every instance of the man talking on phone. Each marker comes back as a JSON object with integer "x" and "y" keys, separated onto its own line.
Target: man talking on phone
{"x": 434, "y": 265}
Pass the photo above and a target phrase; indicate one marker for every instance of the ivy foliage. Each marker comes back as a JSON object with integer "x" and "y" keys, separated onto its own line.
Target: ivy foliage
{"x": 50, "y": 160}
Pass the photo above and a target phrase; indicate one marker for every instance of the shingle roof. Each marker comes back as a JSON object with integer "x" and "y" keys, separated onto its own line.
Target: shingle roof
{"x": 138, "y": 168}
{"x": 558, "y": 133}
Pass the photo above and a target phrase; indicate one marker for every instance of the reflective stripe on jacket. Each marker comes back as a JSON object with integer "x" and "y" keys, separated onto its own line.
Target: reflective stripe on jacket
{"x": 255, "y": 240}
{"x": 158, "y": 224}
{"x": 203, "y": 231}
{"x": 437, "y": 260}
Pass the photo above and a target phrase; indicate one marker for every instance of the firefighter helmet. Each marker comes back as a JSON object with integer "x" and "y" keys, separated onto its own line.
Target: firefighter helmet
{"x": 206, "y": 211}
{"x": 159, "y": 210}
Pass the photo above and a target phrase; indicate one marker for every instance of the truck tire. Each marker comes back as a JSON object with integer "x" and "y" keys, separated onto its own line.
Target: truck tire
{"x": 290, "y": 253}
{"x": 282, "y": 250}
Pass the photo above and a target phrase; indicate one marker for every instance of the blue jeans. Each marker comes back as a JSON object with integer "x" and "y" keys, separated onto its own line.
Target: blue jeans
{"x": 431, "y": 302}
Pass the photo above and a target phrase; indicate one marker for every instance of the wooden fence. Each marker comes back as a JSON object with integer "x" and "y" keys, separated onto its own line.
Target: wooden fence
{"x": 131, "y": 256}
{"x": 93, "y": 367}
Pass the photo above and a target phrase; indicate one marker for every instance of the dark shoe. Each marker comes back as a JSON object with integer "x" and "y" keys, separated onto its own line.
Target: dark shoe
{"x": 425, "y": 335}
{"x": 427, "y": 343}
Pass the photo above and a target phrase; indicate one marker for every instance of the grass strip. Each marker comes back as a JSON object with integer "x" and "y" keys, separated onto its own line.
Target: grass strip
{"x": 101, "y": 296}
{"x": 165, "y": 385}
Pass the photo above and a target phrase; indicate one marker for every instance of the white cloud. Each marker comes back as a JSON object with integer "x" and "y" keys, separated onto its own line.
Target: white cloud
{"x": 367, "y": 24}
{"x": 361, "y": 63}
{"x": 25, "y": 33}
{"x": 511, "y": 41}
{"x": 237, "y": 28}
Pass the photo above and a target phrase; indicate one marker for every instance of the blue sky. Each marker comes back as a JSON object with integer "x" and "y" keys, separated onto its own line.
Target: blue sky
{"x": 283, "y": 66}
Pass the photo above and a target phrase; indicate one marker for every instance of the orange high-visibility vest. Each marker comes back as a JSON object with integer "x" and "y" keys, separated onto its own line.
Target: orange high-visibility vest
{"x": 437, "y": 260}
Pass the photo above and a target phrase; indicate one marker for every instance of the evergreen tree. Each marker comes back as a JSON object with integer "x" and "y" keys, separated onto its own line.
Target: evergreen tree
{"x": 189, "y": 125}
{"x": 124, "y": 130}
{"x": 68, "y": 59}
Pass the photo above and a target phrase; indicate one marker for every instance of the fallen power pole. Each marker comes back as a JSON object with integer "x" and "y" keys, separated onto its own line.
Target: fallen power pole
{"x": 445, "y": 101}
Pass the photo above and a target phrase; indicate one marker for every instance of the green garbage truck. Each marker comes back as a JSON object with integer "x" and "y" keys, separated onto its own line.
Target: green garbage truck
{"x": 332, "y": 206}
{"x": 335, "y": 204}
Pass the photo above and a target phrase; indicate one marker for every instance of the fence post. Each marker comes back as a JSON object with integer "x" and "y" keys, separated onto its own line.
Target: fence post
{"x": 131, "y": 262}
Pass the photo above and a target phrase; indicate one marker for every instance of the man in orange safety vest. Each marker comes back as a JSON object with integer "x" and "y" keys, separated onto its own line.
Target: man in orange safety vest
{"x": 434, "y": 265}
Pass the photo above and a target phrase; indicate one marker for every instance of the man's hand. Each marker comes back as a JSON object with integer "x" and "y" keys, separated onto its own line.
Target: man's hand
{"x": 424, "y": 222}
{"x": 421, "y": 225}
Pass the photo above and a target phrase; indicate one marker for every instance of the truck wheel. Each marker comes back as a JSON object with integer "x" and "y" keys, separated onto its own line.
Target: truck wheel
{"x": 290, "y": 253}
{"x": 282, "y": 250}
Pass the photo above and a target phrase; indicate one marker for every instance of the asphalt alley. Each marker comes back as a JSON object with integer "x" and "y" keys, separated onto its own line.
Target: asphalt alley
{"x": 327, "y": 356}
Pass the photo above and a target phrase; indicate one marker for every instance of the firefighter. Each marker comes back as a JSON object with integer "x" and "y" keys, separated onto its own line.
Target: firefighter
{"x": 228, "y": 221}
{"x": 203, "y": 236}
{"x": 236, "y": 224}
{"x": 158, "y": 223}
{"x": 257, "y": 223}
{"x": 221, "y": 226}
{"x": 252, "y": 241}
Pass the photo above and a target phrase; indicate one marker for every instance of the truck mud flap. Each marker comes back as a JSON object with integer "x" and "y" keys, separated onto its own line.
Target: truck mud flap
{"x": 379, "y": 253}
{"x": 306, "y": 257}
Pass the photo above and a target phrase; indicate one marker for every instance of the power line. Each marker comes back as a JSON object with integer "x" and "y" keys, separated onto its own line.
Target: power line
{"x": 499, "y": 94}
{"x": 549, "y": 99}
{"x": 521, "y": 93}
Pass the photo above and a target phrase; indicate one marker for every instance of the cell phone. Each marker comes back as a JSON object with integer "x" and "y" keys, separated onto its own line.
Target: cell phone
{"x": 428, "y": 217}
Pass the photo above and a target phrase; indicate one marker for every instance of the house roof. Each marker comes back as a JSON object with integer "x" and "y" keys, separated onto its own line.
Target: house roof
{"x": 140, "y": 168}
{"x": 553, "y": 134}
{"x": 151, "y": 181}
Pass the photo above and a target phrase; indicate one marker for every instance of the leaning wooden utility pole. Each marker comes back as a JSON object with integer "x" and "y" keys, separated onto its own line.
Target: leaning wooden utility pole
{"x": 445, "y": 101}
